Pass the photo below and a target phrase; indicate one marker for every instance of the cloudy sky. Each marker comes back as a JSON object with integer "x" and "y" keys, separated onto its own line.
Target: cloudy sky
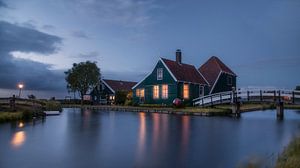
{"x": 40, "y": 39}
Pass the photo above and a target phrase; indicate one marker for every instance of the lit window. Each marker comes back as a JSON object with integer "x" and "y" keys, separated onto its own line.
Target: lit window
{"x": 164, "y": 91}
{"x": 159, "y": 74}
{"x": 229, "y": 80}
{"x": 137, "y": 92}
{"x": 186, "y": 91}
{"x": 156, "y": 92}
{"x": 142, "y": 93}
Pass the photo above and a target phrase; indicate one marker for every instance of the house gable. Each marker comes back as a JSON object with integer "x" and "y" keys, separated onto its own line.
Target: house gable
{"x": 151, "y": 78}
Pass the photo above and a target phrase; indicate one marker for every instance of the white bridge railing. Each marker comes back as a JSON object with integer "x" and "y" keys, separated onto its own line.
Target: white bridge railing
{"x": 249, "y": 95}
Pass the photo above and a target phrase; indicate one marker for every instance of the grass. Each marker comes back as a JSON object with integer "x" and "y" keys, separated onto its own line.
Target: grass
{"x": 10, "y": 116}
{"x": 290, "y": 158}
{"x": 25, "y": 111}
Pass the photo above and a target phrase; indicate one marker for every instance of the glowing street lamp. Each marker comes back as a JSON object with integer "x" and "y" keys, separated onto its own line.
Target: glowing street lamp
{"x": 20, "y": 86}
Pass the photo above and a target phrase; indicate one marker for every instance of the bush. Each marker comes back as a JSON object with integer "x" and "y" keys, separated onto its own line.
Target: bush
{"x": 120, "y": 97}
{"x": 52, "y": 106}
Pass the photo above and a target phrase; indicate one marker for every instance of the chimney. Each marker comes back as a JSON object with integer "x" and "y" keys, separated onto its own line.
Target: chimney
{"x": 178, "y": 56}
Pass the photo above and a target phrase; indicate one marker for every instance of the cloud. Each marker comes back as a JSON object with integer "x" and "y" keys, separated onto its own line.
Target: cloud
{"x": 3, "y": 4}
{"x": 128, "y": 13}
{"x": 80, "y": 34}
{"x": 93, "y": 54}
{"x": 48, "y": 27}
{"x": 35, "y": 75}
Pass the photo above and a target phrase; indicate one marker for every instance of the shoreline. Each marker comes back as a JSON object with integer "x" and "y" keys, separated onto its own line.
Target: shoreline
{"x": 224, "y": 110}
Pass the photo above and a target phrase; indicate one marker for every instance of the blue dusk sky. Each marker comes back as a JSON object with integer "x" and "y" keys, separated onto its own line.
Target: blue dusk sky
{"x": 39, "y": 39}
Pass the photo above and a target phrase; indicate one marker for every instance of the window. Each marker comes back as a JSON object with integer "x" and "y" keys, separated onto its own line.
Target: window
{"x": 164, "y": 91}
{"x": 155, "y": 91}
{"x": 229, "y": 80}
{"x": 142, "y": 93}
{"x": 185, "y": 91}
{"x": 159, "y": 74}
{"x": 201, "y": 90}
{"x": 137, "y": 92}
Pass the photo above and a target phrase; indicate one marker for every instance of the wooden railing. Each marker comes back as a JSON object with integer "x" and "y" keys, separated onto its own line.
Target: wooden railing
{"x": 249, "y": 95}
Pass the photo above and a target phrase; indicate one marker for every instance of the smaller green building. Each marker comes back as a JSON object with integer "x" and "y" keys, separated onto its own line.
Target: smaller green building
{"x": 169, "y": 80}
{"x": 219, "y": 76}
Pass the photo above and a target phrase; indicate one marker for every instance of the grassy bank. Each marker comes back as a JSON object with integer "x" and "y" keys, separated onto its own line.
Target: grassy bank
{"x": 290, "y": 158}
{"x": 26, "y": 111}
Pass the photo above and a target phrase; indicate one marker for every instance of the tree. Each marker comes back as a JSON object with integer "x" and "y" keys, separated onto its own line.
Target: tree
{"x": 298, "y": 87}
{"x": 82, "y": 77}
{"x": 120, "y": 97}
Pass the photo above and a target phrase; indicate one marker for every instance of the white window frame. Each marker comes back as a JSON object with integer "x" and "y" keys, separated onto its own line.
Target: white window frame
{"x": 156, "y": 94}
{"x": 201, "y": 90}
{"x": 229, "y": 80}
{"x": 165, "y": 91}
{"x": 142, "y": 93}
{"x": 160, "y": 74}
{"x": 188, "y": 91}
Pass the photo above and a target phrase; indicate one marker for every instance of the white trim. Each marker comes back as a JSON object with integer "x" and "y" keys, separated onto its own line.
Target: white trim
{"x": 145, "y": 77}
{"x": 160, "y": 59}
{"x": 229, "y": 73}
{"x": 202, "y": 76}
{"x": 108, "y": 86}
{"x": 158, "y": 71}
{"x": 202, "y": 90}
{"x": 168, "y": 69}
{"x": 215, "y": 82}
{"x": 141, "y": 80}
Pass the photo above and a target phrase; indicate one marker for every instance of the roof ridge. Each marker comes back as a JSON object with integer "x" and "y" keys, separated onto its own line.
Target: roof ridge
{"x": 118, "y": 80}
{"x": 216, "y": 59}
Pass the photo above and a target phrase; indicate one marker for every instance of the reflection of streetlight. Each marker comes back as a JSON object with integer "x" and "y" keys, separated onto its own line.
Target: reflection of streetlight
{"x": 20, "y": 86}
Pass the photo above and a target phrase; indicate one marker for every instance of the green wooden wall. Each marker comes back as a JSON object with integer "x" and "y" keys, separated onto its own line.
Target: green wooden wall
{"x": 222, "y": 85}
{"x": 175, "y": 89}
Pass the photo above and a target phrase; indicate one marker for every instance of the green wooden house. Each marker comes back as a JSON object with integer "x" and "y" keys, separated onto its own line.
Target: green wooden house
{"x": 219, "y": 76}
{"x": 106, "y": 91}
{"x": 169, "y": 80}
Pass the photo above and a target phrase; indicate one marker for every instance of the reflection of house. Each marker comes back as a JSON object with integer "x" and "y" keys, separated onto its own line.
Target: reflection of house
{"x": 106, "y": 91}
{"x": 174, "y": 79}
{"x": 169, "y": 80}
{"x": 220, "y": 77}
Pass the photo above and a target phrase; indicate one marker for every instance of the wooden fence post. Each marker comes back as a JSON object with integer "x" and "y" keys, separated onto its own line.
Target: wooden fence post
{"x": 261, "y": 97}
{"x": 248, "y": 95}
{"x": 293, "y": 97}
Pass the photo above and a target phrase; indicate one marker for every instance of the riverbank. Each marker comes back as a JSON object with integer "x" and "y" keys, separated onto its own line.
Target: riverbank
{"x": 220, "y": 110}
{"x": 290, "y": 158}
{"x": 24, "y": 110}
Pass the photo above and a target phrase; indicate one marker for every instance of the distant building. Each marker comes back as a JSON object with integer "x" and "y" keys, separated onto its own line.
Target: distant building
{"x": 105, "y": 93}
{"x": 220, "y": 77}
{"x": 173, "y": 79}
{"x": 169, "y": 80}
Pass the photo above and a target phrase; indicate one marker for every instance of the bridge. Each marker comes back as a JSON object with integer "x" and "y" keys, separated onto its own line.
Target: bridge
{"x": 241, "y": 95}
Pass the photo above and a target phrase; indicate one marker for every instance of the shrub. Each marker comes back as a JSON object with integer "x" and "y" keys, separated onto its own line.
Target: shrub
{"x": 52, "y": 105}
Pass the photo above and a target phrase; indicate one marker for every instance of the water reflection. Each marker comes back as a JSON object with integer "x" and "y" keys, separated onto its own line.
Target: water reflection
{"x": 18, "y": 139}
{"x": 21, "y": 124}
{"x": 141, "y": 134}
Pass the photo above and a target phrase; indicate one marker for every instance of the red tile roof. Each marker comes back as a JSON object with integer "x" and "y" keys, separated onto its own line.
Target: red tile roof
{"x": 118, "y": 85}
{"x": 184, "y": 72}
{"x": 211, "y": 69}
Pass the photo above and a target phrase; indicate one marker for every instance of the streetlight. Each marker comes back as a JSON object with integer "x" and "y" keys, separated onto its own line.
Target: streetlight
{"x": 20, "y": 86}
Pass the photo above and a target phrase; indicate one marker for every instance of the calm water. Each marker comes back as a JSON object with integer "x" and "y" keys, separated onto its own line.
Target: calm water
{"x": 84, "y": 138}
